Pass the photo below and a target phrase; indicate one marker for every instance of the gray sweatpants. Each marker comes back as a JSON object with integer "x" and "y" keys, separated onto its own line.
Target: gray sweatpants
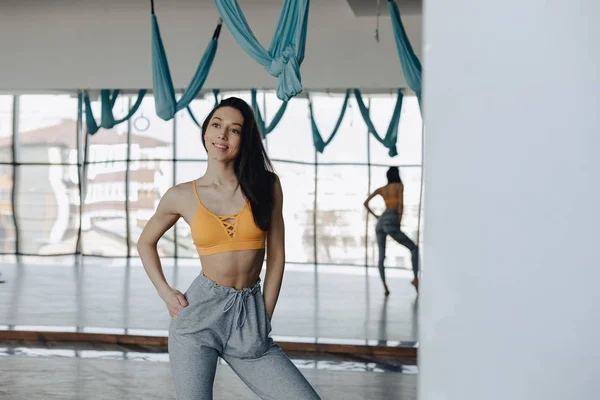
{"x": 389, "y": 224}
{"x": 233, "y": 324}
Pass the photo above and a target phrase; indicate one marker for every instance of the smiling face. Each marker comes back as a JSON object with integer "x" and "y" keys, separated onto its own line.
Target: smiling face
{"x": 223, "y": 135}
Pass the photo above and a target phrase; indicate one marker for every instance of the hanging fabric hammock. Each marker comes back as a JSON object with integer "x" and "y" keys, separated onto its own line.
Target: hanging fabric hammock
{"x": 193, "y": 117}
{"x": 411, "y": 66}
{"x": 286, "y": 52}
{"x": 391, "y": 136}
{"x": 265, "y": 130}
{"x": 164, "y": 93}
{"x": 317, "y": 138}
{"x": 108, "y": 99}
{"x": 216, "y": 94}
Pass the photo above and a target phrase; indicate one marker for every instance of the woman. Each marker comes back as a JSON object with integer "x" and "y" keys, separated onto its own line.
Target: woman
{"x": 231, "y": 210}
{"x": 389, "y": 223}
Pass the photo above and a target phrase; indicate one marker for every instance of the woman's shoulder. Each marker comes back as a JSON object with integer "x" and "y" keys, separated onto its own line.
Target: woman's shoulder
{"x": 390, "y": 190}
{"x": 180, "y": 191}
{"x": 398, "y": 188}
{"x": 383, "y": 190}
{"x": 175, "y": 198}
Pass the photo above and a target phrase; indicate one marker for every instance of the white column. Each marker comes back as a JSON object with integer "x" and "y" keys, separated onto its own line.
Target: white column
{"x": 510, "y": 297}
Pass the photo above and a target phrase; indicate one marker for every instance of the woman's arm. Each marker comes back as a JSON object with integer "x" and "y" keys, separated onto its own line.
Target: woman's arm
{"x": 366, "y": 203}
{"x": 275, "y": 252}
{"x": 163, "y": 219}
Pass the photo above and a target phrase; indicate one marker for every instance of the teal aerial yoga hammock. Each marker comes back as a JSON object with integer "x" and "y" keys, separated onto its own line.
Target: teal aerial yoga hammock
{"x": 411, "y": 66}
{"x": 265, "y": 130}
{"x": 286, "y": 52}
{"x": 164, "y": 93}
{"x": 193, "y": 117}
{"x": 107, "y": 119}
{"x": 317, "y": 138}
{"x": 391, "y": 136}
{"x": 216, "y": 94}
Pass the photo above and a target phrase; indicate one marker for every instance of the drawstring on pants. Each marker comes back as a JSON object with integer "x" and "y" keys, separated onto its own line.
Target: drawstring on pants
{"x": 239, "y": 298}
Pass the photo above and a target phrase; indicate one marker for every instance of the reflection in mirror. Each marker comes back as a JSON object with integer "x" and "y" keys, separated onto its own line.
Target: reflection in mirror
{"x": 332, "y": 291}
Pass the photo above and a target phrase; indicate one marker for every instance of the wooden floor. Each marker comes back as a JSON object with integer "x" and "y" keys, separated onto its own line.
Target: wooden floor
{"x": 66, "y": 378}
{"x": 348, "y": 339}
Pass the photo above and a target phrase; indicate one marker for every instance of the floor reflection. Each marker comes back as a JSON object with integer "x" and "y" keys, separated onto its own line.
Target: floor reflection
{"x": 332, "y": 305}
{"x": 145, "y": 353}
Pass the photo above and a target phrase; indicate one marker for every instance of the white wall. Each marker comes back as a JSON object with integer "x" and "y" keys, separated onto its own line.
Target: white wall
{"x": 510, "y": 300}
{"x": 70, "y": 44}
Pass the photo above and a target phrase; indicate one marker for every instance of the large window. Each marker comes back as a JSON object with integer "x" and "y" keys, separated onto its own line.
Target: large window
{"x": 291, "y": 139}
{"x": 46, "y": 180}
{"x": 298, "y": 185}
{"x": 150, "y": 172}
{"x": 94, "y": 195}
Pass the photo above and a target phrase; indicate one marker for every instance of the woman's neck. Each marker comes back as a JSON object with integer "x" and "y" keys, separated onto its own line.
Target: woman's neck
{"x": 220, "y": 173}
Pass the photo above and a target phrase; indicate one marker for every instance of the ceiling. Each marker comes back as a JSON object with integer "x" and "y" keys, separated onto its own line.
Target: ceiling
{"x": 360, "y": 8}
{"x": 368, "y": 8}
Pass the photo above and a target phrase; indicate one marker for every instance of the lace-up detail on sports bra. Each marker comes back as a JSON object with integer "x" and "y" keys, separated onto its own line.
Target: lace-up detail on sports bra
{"x": 230, "y": 222}
{"x": 213, "y": 234}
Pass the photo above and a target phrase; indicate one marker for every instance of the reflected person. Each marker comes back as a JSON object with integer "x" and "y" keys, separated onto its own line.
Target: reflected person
{"x": 388, "y": 224}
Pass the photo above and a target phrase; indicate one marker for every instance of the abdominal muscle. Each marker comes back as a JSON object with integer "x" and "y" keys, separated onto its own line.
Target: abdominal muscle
{"x": 237, "y": 269}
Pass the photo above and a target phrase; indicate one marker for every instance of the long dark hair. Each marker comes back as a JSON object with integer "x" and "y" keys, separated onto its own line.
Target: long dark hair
{"x": 252, "y": 166}
{"x": 393, "y": 175}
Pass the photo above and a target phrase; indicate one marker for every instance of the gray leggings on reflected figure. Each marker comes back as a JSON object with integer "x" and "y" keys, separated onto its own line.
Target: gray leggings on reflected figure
{"x": 389, "y": 224}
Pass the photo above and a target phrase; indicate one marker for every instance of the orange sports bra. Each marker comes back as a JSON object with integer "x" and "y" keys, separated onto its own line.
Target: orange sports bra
{"x": 214, "y": 234}
{"x": 391, "y": 200}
